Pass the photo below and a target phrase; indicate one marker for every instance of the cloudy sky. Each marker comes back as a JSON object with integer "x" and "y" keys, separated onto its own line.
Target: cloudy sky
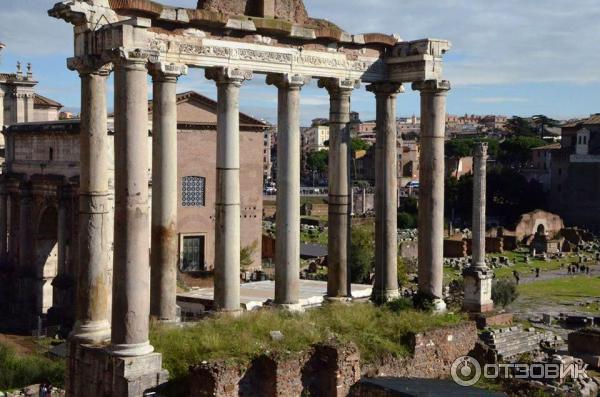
{"x": 513, "y": 57}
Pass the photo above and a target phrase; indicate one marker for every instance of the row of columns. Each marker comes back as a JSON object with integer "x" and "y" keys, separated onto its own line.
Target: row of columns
{"x": 132, "y": 300}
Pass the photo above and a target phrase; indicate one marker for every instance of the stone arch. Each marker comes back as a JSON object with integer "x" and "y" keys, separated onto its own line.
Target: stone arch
{"x": 46, "y": 257}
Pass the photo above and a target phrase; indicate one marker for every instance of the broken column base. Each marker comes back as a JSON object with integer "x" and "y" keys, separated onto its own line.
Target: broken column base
{"x": 478, "y": 290}
{"x": 492, "y": 319}
{"x": 94, "y": 372}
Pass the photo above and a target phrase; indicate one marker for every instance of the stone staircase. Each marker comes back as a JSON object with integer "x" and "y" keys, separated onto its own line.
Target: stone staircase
{"x": 513, "y": 341}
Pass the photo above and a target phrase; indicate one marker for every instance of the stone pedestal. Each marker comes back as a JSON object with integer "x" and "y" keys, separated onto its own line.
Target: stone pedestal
{"x": 95, "y": 372}
{"x": 478, "y": 290}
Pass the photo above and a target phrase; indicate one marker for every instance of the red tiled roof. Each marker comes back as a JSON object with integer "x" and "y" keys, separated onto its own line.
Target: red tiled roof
{"x": 40, "y": 100}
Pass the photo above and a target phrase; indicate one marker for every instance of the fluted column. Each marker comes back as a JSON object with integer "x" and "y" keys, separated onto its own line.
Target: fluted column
{"x": 338, "y": 245}
{"x": 431, "y": 190}
{"x": 131, "y": 281}
{"x": 164, "y": 245}
{"x": 93, "y": 285}
{"x": 227, "y": 211}
{"x": 3, "y": 224}
{"x": 478, "y": 277}
{"x": 386, "y": 186}
{"x": 287, "y": 229}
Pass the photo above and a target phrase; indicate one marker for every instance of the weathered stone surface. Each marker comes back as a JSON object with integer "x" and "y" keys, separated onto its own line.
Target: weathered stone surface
{"x": 433, "y": 353}
{"x": 289, "y": 10}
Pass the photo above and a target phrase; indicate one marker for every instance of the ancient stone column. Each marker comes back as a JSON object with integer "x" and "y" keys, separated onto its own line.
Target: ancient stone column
{"x": 477, "y": 277}
{"x": 227, "y": 211}
{"x": 386, "y": 186}
{"x": 340, "y": 187}
{"x": 3, "y": 224}
{"x": 287, "y": 229}
{"x": 164, "y": 245}
{"x": 131, "y": 281}
{"x": 93, "y": 286}
{"x": 431, "y": 190}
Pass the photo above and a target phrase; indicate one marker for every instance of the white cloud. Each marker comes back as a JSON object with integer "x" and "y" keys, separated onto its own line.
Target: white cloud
{"x": 494, "y": 42}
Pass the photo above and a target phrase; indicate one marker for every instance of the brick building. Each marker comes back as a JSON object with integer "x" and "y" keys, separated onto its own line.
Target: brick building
{"x": 41, "y": 178}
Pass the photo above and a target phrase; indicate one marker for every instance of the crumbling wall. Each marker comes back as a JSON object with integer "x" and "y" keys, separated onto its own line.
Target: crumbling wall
{"x": 289, "y": 10}
{"x": 331, "y": 369}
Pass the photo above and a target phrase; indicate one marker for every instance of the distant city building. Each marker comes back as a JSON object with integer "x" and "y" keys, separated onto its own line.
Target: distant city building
{"x": 575, "y": 174}
{"x": 540, "y": 169}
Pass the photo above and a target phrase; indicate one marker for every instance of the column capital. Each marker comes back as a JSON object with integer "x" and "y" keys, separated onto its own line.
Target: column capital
{"x": 162, "y": 71}
{"x": 228, "y": 75}
{"x": 386, "y": 88}
{"x": 89, "y": 65}
{"x": 131, "y": 58}
{"x": 338, "y": 87}
{"x": 287, "y": 80}
{"x": 432, "y": 86}
{"x": 480, "y": 150}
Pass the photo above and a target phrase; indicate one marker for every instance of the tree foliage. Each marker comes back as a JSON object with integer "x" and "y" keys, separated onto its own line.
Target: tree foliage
{"x": 358, "y": 144}
{"x": 516, "y": 151}
{"x": 362, "y": 253}
{"x": 318, "y": 161}
{"x": 463, "y": 147}
{"x": 504, "y": 292}
{"x": 509, "y": 195}
{"x": 519, "y": 126}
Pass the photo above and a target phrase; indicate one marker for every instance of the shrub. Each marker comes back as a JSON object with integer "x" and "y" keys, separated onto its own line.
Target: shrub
{"x": 504, "y": 292}
{"x": 246, "y": 256}
{"x": 17, "y": 371}
{"x": 362, "y": 253}
{"x": 407, "y": 221}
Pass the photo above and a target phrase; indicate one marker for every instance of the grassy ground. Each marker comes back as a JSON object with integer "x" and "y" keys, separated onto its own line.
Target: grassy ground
{"x": 564, "y": 289}
{"x": 374, "y": 330}
{"x": 313, "y": 237}
{"x": 17, "y": 371}
{"x": 524, "y": 268}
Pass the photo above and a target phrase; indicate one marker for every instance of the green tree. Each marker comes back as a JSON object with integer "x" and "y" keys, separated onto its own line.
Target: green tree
{"x": 516, "y": 151}
{"x": 318, "y": 161}
{"x": 520, "y": 126}
{"x": 358, "y": 144}
{"x": 362, "y": 253}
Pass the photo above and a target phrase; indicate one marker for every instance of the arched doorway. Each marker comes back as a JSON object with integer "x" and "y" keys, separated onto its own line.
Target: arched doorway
{"x": 46, "y": 258}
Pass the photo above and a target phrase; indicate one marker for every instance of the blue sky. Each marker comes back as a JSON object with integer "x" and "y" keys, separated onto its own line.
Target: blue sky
{"x": 513, "y": 57}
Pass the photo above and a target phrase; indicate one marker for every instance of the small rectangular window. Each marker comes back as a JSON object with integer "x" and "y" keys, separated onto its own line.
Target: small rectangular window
{"x": 192, "y": 257}
{"x": 193, "y": 191}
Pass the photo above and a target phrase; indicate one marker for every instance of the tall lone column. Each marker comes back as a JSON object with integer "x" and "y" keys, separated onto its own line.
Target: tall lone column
{"x": 287, "y": 252}
{"x": 131, "y": 283}
{"x": 93, "y": 285}
{"x": 3, "y": 224}
{"x": 338, "y": 244}
{"x": 478, "y": 277}
{"x": 386, "y": 186}
{"x": 163, "y": 258}
{"x": 227, "y": 211}
{"x": 431, "y": 190}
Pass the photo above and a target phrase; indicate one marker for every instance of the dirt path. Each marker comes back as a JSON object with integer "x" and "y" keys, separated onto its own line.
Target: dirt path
{"x": 23, "y": 345}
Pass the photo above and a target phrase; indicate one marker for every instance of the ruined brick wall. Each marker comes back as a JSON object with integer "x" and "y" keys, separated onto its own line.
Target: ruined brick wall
{"x": 327, "y": 370}
{"x": 493, "y": 245}
{"x": 433, "y": 354}
{"x": 330, "y": 369}
{"x": 455, "y": 248}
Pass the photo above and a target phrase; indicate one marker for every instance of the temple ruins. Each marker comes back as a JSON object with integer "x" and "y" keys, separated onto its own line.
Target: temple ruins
{"x": 234, "y": 42}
